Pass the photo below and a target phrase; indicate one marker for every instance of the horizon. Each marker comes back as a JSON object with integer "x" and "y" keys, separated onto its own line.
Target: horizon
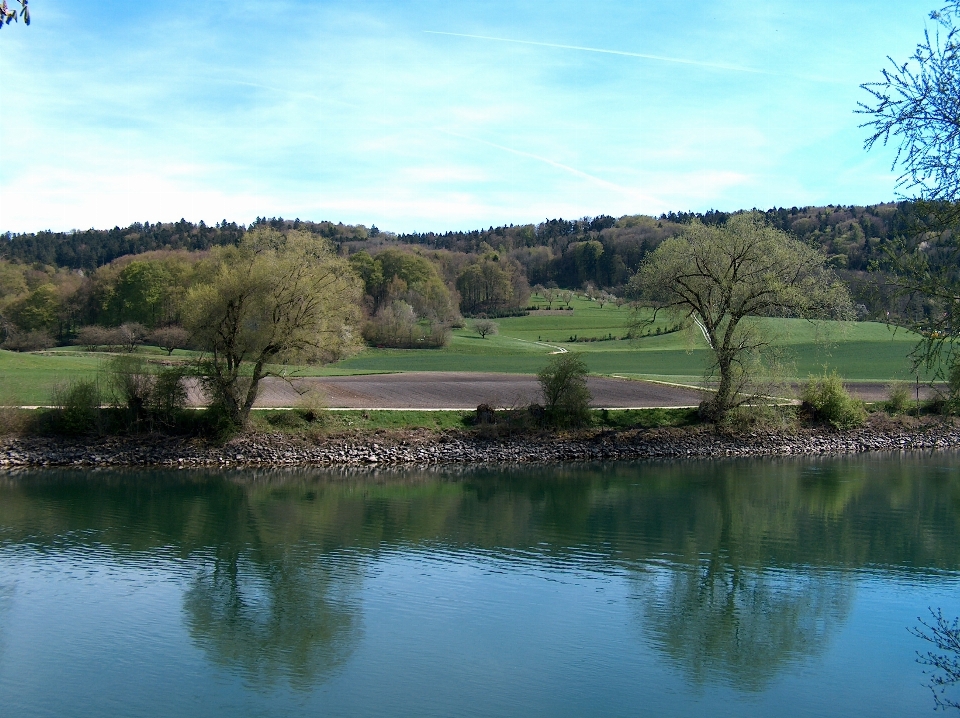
{"x": 421, "y": 115}
{"x": 387, "y": 230}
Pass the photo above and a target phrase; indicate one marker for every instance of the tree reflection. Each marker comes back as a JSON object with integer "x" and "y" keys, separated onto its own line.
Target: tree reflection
{"x": 740, "y": 625}
{"x": 289, "y": 618}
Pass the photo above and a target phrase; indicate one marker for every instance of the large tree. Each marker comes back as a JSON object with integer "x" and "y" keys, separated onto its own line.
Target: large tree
{"x": 722, "y": 278}
{"x": 916, "y": 105}
{"x": 274, "y": 299}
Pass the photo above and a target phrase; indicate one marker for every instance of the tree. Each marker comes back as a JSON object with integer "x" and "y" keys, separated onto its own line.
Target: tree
{"x": 549, "y": 296}
{"x": 918, "y": 108}
{"x": 721, "y": 278}
{"x": 563, "y": 382}
{"x": 274, "y": 299}
{"x": 170, "y": 338}
{"x": 7, "y": 15}
{"x": 945, "y": 635}
{"x": 915, "y": 105}
{"x": 485, "y": 328}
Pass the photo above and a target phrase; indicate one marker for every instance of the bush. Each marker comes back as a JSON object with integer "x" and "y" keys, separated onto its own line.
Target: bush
{"x": 826, "y": 397}
{"x": 396, "y": 325}
{"x": 169, "y": 338}
{"x": 76, "y": 407}
{"x": 898, "y": 399}
{"x": 28, "y": 341}
{"x": 566, "y": 397}
{"x": 94, "y": 338}
{"x": 147, "y": 397}
{"x": 169, "y": 398}
{"x": 131, "y": 335}
{"x": 312, "y": 408}
{"x": 131, "y": 384}
{"x": 953, "y": 387}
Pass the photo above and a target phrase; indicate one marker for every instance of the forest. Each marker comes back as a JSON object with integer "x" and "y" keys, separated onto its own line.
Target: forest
{"x": 60, "y": 287}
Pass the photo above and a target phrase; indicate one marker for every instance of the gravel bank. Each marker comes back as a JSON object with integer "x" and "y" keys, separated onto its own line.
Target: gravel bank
{"x": 420, "y": 448}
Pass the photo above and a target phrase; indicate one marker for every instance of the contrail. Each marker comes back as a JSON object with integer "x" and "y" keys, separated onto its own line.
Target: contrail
{"x": 560, "y": 166}
{"x": 659, "y": 58}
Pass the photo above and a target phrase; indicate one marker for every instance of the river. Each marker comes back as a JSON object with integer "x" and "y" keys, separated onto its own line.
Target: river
{"x": 722, "y": 588}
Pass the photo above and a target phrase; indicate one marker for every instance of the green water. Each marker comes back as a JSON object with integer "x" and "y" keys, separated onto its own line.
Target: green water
{"x": 729, "y": 588}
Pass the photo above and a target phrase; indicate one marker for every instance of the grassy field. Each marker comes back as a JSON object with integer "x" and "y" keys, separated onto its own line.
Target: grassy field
{"x": 858, "y": 351}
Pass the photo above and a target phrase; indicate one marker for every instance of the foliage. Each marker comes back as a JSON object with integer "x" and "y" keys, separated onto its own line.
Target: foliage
{"x": 147, "y": 397}
{"x": 394, "y": 274}
{"x": 898, "y": 399}
{"x": 485, "y": 327}
{"x": 831, "y": 402}
{"x": 918, "y": 108}
{"x": 563, "y": 383}
{"x": 915, "y": 105}
{"x": 719, "y": 276}
{"x": 945, "y": 635}
{"x": 396, "y": 325}
{"x": 76, "y": 407}
{"x": 36, "y": 311}
{"x": 7, "y": 15}
{"x": 492, "y": 283}
{"x": 275, "y": 299}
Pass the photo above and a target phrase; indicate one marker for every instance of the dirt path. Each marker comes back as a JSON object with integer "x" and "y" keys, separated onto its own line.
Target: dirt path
{"x": 457, "y": 390}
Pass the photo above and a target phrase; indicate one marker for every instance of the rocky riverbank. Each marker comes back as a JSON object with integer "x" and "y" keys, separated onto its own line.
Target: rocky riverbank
{"x": 418, "y": 448}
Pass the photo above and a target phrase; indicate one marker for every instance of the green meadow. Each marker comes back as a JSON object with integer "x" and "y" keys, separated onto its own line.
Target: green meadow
{"x": 858, "y": 351}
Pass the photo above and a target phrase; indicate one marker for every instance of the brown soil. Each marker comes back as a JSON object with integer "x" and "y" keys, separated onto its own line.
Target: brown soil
{"x": 457, "y": 390}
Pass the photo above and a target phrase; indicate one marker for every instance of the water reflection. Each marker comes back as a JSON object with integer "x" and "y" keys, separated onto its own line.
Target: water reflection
{"x": 741, "y": 626}
{"x": 736, "y": 569}
{"x": 288, "y": 618}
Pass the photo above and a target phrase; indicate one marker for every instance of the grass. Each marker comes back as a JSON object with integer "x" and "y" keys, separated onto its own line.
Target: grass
{"x": 333, "y": 421}
{"x": 858, "y": 351}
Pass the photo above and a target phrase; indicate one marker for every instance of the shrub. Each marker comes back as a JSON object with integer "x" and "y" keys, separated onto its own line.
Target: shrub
{"x": 147, "y": 396}
{"x": 94, "y": 338}
{"x": 830, "y": 402}
{"x": 396, "y": 325}
{"x": 169, "y": 338}
{"x": 566, "y": 397}
{"x": 76, "y": 407}
{"x": 312, "y": 407}
{"x": 169, "y": 398}
{"x": 28, "y": 341}
{"x": 898, "y": 399}
{"x": 131, "y": 383}
{"x": 131, "y": 335}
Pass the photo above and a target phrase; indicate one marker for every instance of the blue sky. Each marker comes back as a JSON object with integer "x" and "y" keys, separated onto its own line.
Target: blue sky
{"x": 431, "y": 115}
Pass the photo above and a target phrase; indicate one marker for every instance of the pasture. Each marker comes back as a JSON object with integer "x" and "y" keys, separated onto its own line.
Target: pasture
{"x": 859, "y": 351}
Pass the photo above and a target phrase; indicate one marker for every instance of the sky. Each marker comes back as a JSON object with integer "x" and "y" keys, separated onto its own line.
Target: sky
{"x": 432, "y": 115}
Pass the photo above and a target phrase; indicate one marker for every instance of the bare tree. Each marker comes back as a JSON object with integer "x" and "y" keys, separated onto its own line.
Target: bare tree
{"x": 550, "y": 296}
{"x": 946, "y": 666}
